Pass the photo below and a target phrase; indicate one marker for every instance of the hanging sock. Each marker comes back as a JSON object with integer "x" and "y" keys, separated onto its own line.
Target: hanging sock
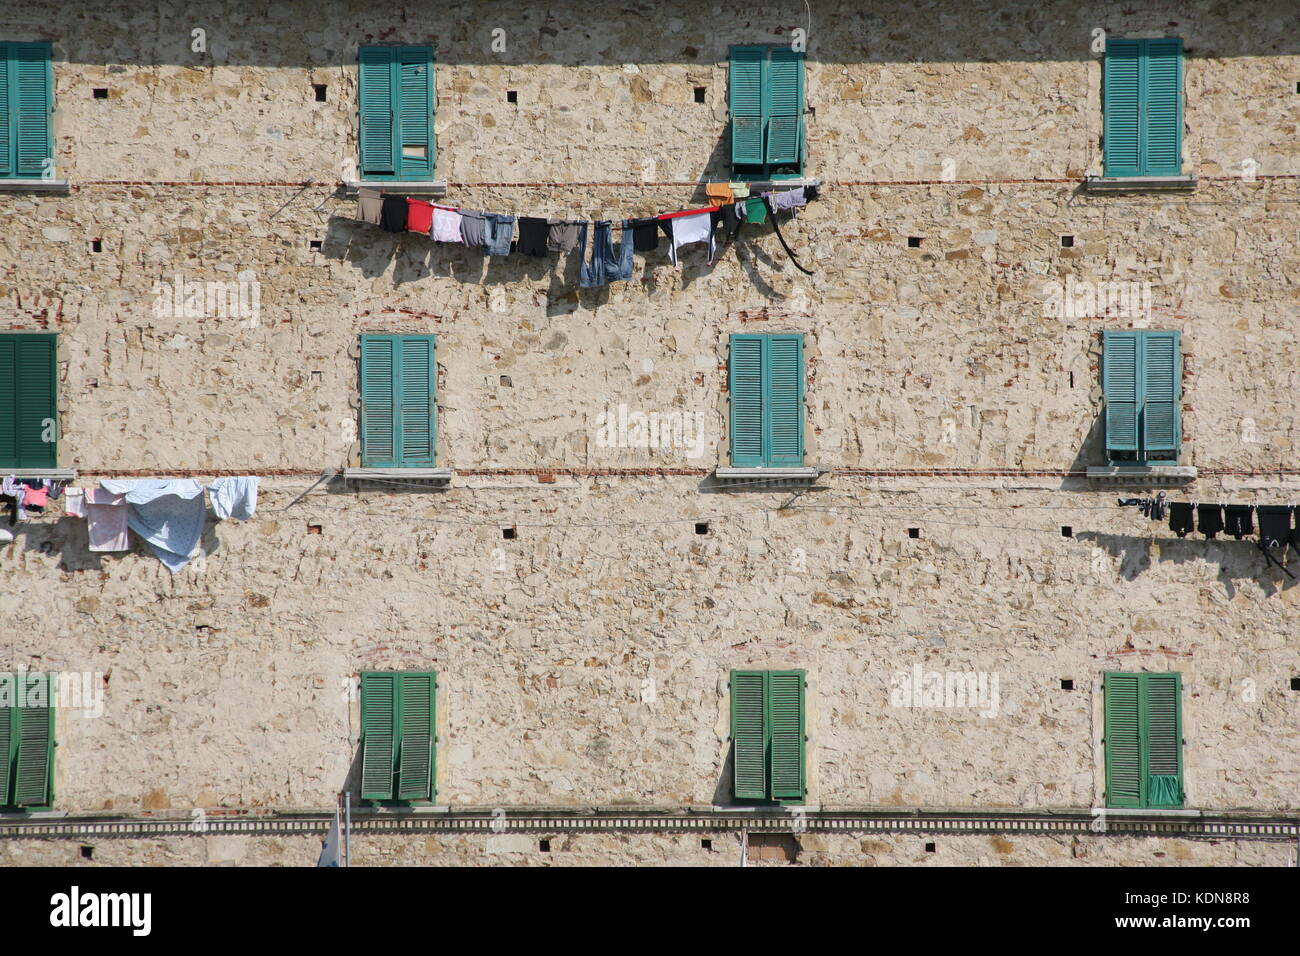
{"x": 1180, "y": 518}
{"x": 1238, "y": 523}
{"x": 1209, "y": 519}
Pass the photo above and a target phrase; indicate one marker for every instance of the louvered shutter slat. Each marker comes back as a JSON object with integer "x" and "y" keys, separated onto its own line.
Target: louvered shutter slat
{"x": 1120, "y": 386}
{"x": 1163, "y": 107}
{"x": 1121, "y": 109}
{"x": 745, "y": 101}
{"x": 415, "y": 780}
{"x": 1164, "y": 741}
{"x": 749, "y": 759}
{"x": 786, "y": 711}
{"x": 784, "y": 401}
{"x": 416, "y": 400}
{"x": 378, "y": 123}
{"x": 1123, "y": 741}
{"x": 1160, "y": 413}
{"x": 35, "y": 740}
{"x": 746, "y": 386}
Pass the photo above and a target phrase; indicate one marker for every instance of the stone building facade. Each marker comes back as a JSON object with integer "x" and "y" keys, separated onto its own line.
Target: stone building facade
{"x": 584, "y": 606}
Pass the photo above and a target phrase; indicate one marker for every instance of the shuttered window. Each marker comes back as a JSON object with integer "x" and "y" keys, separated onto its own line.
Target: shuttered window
{"x": 1143, "y": 107}
{"x": 1144, "y": 740}
{"x": 399, "y": 375}
{"x": 26, "y": 741}
{"x": 28, "y": 401}
{"x": 26, "y": 107}
{"x": 397, "y": 735}
{"x": 767, "y": 735}
{"x": 396, "y": 94}
{"x": 766, "y": 381}
{"x": 1142, "y": 375}
{"x": 765, "y": 89}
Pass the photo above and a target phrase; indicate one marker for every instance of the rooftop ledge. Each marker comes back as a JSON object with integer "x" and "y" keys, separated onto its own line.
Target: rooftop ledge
{"x": 1125, "y": 184}
{"x": 35, "y": 186}
{"x": 1143, "y": 474}
{"x": 424, "y": 187}
{"x": 54, "y": 474}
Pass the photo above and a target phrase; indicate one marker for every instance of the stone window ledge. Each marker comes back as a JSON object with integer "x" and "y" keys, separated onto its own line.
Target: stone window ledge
{"x": 423, "y": 187}
{"x": 35, "y": 186}
{"x": 54, "y": 474}
{"x": 1142, "y": 474}
{"x": 768, "y": 476}
{"x": 1131, "y": 184}
{"x": 398, "y": 479}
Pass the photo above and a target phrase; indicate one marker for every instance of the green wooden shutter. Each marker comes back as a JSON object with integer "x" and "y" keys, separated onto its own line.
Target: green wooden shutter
{"x": 32, "y": 80}
{"x": 1123, "y": 740}
{"x": 785, "y": 708}
{"x": 1164, "y": 750}
{"x": 6, "y": 114}
{"x": 35, "y": 733}
{"x": 1162, "y": 105}
{"x": 785, "y": 107}
{"x": 745, "y": 101}
{"x": 1122, "y": 108}
{"x": 416, "y": 408}
{"x": 745, "y": 368}
{"x": 378, "y": 136}
{"x": 28, "y": 400}
{"x": 1119, "y": 376}
{"x": 1161, "y": 381}
{"x": 783, "y": 401}
{"x": 378, "y": 735}
{"x": 8, "y": 742}
{"x": 415, "y": 112}
{"x": 415, "y": 768}
{"x": 379, "y": 356}
{"x": 748, "y": 735}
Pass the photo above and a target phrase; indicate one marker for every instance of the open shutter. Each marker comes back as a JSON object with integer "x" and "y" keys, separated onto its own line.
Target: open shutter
{"x": 746, "y": 385}
{"x": 783, "y": 401}
{"x": 785, "y": 107}
{"x": 379, "y": 147}
{"x": 6, "y": 143}
{"x": 785, "y": 705}
{"x": 378, "y": 401}
{"x": 1162, "y": 106}
{"x": 415, "y": 773}
{"x": 378, "y": 735}
{"x": 1161, "y": 371}
{"x": 8, "y": 724}
{"x": 1121, "y": 109}
{"x": 1123, "y": 742}
{"x": 28, "y": 400}
{"x": 415, "y": 391}
{"x": 748, "y": 736}
{"x": 1119, "y": 376}
{"x": 415, "y": 112}
{"x": 32, "y": 81}
{"x": 745, "y": 101}
{"x": 35, "y": 720}
{"x": 1162, "y": 705}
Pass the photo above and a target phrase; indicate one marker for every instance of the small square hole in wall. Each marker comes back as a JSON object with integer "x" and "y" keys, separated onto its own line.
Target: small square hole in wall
{"x": 1295, "y": 683}
{"x": 1067, "y": 684}
{"x": 914, "y": 532}
{"x": 99, "y": 93}
{"x": 87, "y": 852}
{"x": 1067, "y": 531}
{"x": 699, "y": 94}
{"x": 508, "y": 533}
{"x": 315, "y": 244}
{"x": 544, "y": 846}
{"x": 512, "y": 96}
{"x": 96, "y": 245}
{"x": 315, "y": 529}
{"x": 316, "y": 377}
{"x": 914, "y": 242}
{"x": 706, "y": 844}
{"x": 701, "y": 527}
{"x": 1067, "y": 242}
{"x": 929, "y": 848}
{"x": 320, "y": 90}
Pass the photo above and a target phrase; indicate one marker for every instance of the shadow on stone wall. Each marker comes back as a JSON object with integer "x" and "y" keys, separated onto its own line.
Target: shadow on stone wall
{"x": 69, "y": 539}
{"x": 1237, "y": 560}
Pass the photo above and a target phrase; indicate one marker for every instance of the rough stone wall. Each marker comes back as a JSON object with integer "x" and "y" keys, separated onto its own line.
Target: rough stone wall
{"x": 227, "y": 683}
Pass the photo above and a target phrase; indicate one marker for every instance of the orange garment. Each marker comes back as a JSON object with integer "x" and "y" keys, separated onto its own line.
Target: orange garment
{"x": 720, "y": 193}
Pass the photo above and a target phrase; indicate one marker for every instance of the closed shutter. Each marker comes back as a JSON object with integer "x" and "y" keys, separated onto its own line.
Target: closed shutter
{"x": 745, "y": 367}
{"x": 8, "y": 740}
{"x": 415, "y": 393}
{"x": 1119, "y": 372}
{"x": 415, "y": 773}
{"x": 378, "y": 735}
{"x": 1161, "y": 374}
{"x": 745, "y": 100}
{"x": 415, "y": 111}
{"x": 748, "y": 735}
{"x": 1163, "y": 107}
{"x": 785, "y": 107}
{"x": 1164, "y": 740}
{"x": 783, "y": 401}
{"x": 786, "y": 716}
{"x": 35, "y": 732}
{"x": 32, "y": 80}
{"x": 1123, "y": 743}
{"x": 378, "y": 401}
{"x": 1121, "y": 109}
{"x": 6, "y": 140}
{"x": 28, "y": 400}
{"x": 379, "y": 148}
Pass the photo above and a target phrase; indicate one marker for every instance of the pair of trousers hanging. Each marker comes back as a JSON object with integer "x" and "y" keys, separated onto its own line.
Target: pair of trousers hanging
{"x": 606, "y": 265}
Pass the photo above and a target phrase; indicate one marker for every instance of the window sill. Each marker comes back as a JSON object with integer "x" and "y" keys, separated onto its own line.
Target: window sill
{"x": 779, "y": 477}
{"x": 1139, "y": 184}
{"x": 422, "y": 187}
{"x": 61, "y": 186}
{"x": 767, "y": 185}
{"x": 1145, "y": 474}
{"x": 399, "y": 478}
{"x": 54, "y": 474}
